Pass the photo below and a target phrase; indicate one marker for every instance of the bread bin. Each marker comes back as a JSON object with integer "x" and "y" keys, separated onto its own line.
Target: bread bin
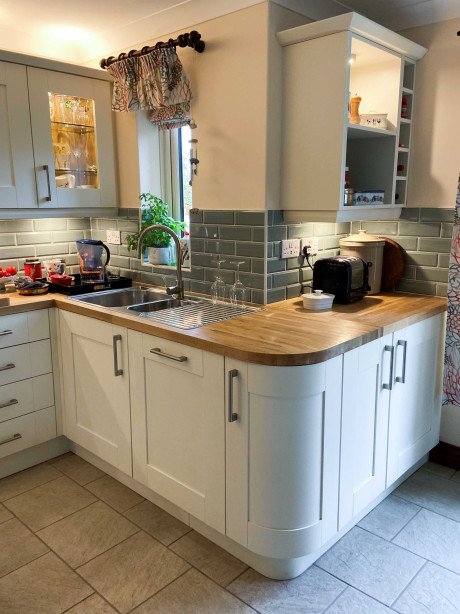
{"x": 370, "y": 249}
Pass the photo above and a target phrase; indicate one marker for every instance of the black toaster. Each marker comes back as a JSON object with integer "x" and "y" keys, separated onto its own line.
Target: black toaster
{"x": 346, "y": 277}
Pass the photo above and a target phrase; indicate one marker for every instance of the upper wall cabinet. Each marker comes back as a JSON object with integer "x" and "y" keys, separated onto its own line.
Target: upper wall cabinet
{"x": 342, "y": 161}
{"x": 17, "y": 182}
{"x": 56, "y": 140}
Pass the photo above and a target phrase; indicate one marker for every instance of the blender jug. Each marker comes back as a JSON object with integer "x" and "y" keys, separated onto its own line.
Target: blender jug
{"x": 90, "y": 254}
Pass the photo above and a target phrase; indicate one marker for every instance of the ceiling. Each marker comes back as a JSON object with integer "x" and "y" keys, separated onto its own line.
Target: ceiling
{"x": 81, "y": 32}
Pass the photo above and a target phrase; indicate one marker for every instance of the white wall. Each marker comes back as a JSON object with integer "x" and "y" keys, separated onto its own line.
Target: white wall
{"x": 237, "y": 108}
{"x": 435, "y": 158}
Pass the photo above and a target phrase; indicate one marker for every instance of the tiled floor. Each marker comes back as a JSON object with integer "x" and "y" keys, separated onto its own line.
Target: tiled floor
{"x": 74, "y": 540}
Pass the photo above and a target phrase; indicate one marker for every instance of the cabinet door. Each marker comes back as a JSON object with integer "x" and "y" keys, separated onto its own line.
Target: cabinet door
{"x": 17, "y": 181}
{"x": 415, "y": 399}
{"x": 365, "y": 405}
{"x": 283, "y": 456}
{"x": 178, "y": 425}
{"x": 73, "y": 140}
{"x": 96, "y": 388}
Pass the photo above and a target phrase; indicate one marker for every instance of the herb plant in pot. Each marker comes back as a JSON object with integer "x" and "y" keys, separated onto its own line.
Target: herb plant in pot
{"x": 154, "y": 210}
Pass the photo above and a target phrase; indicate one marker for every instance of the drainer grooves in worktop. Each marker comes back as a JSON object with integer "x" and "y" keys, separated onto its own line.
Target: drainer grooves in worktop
{"x": 196, "y": 315}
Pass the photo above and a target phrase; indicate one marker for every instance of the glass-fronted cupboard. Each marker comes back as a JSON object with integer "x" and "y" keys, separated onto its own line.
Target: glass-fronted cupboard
{"x": 60, "y": 146}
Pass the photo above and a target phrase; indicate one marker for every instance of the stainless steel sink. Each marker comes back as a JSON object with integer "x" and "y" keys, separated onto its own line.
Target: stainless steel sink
{"x": 156, "y": 306}
{"x": 123, "y": 298}
{"x": 192, "y": 312}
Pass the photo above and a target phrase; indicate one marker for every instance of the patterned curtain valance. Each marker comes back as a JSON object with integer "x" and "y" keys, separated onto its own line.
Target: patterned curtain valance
{"x": 155, "y": 82}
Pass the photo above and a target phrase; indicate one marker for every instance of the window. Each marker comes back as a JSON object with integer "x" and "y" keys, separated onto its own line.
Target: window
{"x": 175, "y": 171}
{"x": 185, "y": 134}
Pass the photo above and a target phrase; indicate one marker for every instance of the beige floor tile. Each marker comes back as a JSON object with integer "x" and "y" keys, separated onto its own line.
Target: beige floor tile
{"x": 25, "y": 480}
{"x": 133, "y": 571}
{"x": 116, "y": 494}
{"x": 50, "y": 502}
{"x": 193, "y": 593}
{"x": 78, "y": 469}
{"x": 18, "y": 546}
{"x": 158, "y": 523}
{"x": 216, "y": 563}
{"x": 45, "y": 586}
{"x": 87, "y": 533}
{"x": 93, "y": 605}
{"x": 4, "y": 514}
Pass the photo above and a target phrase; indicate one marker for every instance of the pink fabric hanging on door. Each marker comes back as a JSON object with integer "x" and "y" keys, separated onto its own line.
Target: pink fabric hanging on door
{"x": 452, "y": 355}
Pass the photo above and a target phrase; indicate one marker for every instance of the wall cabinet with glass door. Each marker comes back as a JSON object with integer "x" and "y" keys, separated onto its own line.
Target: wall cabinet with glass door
{"x": 342, "y": 163}
{"x": 57, "y": 145}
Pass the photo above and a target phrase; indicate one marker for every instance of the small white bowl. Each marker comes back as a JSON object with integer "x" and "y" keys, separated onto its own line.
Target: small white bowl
{"x": 317, "y": 301}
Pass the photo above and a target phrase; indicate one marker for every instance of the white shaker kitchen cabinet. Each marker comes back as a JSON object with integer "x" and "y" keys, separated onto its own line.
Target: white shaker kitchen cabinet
{"x": 177, "y": 406}
{"x": 17, "y": 181}
{"x": 415, "y": 404}
{"x": 95, "y": 374}
{"x": 72, "y": 134}
{"x": 367, "y": 376}
{"x": 283, "y": 446}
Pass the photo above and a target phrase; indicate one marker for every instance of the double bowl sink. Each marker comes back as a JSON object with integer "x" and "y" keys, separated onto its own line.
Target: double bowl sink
{"x": 192, "y": 312}
{"x": 140, "y": 300}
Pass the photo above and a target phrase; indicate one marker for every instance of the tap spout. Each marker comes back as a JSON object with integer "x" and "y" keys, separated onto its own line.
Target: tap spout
{"x": 178, "y": 289}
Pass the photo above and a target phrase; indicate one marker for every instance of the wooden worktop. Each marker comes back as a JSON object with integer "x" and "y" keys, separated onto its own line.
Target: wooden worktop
{"x": 283, "y": 334}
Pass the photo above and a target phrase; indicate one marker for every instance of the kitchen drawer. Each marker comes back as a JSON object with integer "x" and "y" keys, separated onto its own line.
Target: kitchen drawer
{"x": 26, "y": 396}
{"x": 23, "y": 361}
{"x": 176, "y": 355}
{"x": 27, "y": 431}
{"x": 24, "y": 327}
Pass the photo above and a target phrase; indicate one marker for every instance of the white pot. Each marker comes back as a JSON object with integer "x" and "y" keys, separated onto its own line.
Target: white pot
{"x": 158, "y": 255}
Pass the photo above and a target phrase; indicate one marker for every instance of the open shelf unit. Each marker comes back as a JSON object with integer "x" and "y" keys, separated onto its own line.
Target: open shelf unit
{"x": 341, "y": 58}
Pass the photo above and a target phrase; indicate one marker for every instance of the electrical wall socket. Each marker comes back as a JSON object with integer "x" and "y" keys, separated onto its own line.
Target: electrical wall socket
{"x": 312, "y": 245}
{"x": 113, "y": 237}
{"x": 290, "y": 248}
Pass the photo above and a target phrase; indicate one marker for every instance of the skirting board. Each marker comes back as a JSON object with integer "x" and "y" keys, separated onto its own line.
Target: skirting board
{"x": 446, "y": 454}
{"x": 33, "y": 456}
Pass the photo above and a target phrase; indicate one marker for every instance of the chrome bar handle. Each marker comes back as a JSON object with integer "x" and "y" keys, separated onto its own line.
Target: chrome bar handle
{"x": 231, "y": 416}
{"x": 13, "y": 438}
{"x": 116, "y": 369}
{"x": 9, "y": 403}
{"x": 402, "y": 378}
{"x": 46, "y": 168}
{"x": 10, "y": 365}
{"x": 391, "y": 349}
{"x": 3, "y": 333}
{"x": 159, "y": 352}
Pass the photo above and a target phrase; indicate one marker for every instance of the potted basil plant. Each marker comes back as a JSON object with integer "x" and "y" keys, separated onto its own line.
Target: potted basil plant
{"x": 154, "y": 210}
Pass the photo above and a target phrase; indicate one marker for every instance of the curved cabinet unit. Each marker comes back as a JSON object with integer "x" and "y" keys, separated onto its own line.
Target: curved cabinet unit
{"x": 289, "y": 417}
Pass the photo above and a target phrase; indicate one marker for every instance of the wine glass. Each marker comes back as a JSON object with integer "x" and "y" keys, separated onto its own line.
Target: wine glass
{"x": 218, "y": 286}
{"x": 74, "y": 106}
{"x": 238, "y": 291}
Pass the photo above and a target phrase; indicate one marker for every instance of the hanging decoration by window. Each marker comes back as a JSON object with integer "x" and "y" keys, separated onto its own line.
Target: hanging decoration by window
{"x": 153, "y": 79}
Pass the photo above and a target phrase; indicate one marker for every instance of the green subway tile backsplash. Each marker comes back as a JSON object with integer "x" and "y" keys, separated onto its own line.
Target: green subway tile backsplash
{"x": 253, "y": 237}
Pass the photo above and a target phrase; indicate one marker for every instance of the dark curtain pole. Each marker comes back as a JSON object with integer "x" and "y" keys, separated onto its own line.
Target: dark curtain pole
{"x": 189, "y": 39}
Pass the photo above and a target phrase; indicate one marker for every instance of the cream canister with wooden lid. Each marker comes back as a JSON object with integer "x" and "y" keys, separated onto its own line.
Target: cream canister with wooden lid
{"x": 370, "y": 249}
